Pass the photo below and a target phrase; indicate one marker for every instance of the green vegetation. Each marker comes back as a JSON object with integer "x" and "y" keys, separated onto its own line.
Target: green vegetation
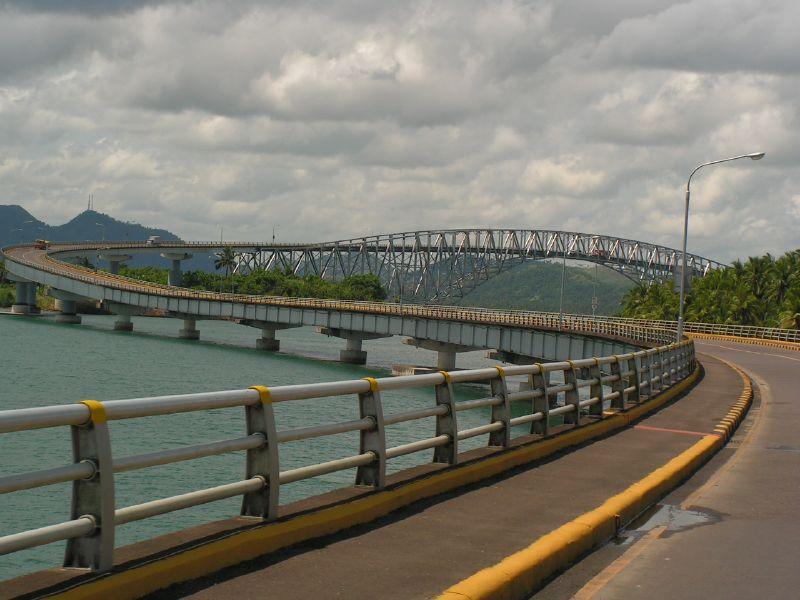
{"x": 7, "y": 289}
{"x": 537, "y": 286}
{"x": 268, "y": 283}
{"x": 764, "y": 291}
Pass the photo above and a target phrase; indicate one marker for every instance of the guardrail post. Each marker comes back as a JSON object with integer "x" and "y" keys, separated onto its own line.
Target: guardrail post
{"x": 93, "y": 496}
{"x": 618, "y": 385}
{"x": 646, "y": 372}
{"x": 446, "y": 423}
{"x": 541, "y": 380}
{"x": 572, "y": 396}
{"x": 675, "y": 354}
{"x": 500, "y": 412}
{"x": 663, "y": 357}
{"x": 634, "y": 380}
{"x": 372, "y": 440}
{"x": 596, "y": 389}
{"x": 262, "y": 461}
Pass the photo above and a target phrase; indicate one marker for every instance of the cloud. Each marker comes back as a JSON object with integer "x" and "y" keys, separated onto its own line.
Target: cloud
{"x": 337, "y": 119}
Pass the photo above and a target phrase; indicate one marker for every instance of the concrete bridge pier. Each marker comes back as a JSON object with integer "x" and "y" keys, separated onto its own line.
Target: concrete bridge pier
{"x": 68, "y": 312}
{"x": 189, "y": 331}
{"x": 22, "y": 302}
{"x": 175, "y": 276}
{"x": 68, "y": 305}
{"x": 267, "y": 341}
{"x": 352, "y": 352}
{"x": 124, "y": 313}
{"x": 123, "y": 323}
{"x": 114, "y": 261}
{"x": 445, "y": 352}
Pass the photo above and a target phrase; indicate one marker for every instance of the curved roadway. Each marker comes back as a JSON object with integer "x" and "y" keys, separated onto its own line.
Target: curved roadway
{"x": 35, "y": 264}
{"x": 749, "y": 544}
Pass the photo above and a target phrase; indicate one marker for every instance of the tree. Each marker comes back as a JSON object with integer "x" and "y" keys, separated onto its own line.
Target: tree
{"x": 226, "y": 260}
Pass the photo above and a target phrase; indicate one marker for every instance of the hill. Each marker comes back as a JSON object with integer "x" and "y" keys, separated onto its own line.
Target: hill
{"x": 537, "y": 286}
{"x": 17, "y": 226}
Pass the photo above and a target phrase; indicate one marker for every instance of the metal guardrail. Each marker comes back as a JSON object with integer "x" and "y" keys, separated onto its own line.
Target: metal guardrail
{"x": 746, "y": 331}
{"x": 90, "y": 532}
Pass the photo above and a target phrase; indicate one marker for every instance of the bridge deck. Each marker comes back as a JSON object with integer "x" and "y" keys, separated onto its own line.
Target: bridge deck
{"x": 421, "y": 550}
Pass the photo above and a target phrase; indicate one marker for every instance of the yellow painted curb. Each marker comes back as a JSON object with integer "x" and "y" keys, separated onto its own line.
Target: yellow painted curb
{"x": 745, "y": 340}
{"x": 519, "y": 575}
{"x": 238, "y": 547}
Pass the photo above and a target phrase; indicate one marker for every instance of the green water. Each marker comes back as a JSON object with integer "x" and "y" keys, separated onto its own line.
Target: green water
{"x": 45, "y": 363}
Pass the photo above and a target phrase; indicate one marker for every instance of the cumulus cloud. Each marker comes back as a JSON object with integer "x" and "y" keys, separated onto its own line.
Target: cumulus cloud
{"x": 338, "y": 119}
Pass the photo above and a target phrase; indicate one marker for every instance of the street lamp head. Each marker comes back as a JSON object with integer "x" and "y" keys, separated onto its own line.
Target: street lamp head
{"x": 756, "y": 155}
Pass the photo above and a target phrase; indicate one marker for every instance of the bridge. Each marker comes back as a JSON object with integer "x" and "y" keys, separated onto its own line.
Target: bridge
{"x": 497, "y": 520}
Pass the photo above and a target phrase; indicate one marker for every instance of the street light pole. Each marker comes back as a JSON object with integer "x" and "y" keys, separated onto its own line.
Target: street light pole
{"x": 752, "y": 156}
{"x": 561, "y": 301}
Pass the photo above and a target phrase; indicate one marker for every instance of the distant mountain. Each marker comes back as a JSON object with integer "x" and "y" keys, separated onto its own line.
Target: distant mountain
{"x": 17, "y": 225}
{"x": 537, "y": 286}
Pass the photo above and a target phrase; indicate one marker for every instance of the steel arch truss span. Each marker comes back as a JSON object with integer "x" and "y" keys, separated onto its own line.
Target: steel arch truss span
{"x": 430, "y": 266}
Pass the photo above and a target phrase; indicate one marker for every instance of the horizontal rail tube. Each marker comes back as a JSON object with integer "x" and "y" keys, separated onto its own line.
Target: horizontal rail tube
{"x": 560, "y": 410}
{"x": 331, "y": 466}
{"x": 137, "y": 512}
{"x": 25, "y": 481}
{"x": 524, "y": 395}
{"x": 472, "y": 404}
{"x": 45, "y": 535}
{"x": 23, "y": 419}
{"x": 305, "y": 433}
{"x": 476, "y": 431}
{"x": 165, "y": 457}
{"x": 413, "y": 415}
{"x": 538, "y": 416}
{"x": 439, "y": 440}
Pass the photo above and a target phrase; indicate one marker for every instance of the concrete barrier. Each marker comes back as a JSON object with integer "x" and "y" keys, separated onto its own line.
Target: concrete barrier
{"x": 745, "y": 340}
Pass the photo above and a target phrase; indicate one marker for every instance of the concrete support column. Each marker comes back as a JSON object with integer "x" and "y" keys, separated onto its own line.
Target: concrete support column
{"x": 267, "y": 341}
{"x": 123, "y": 323}
{"x": 32, "y": 298}
{"x": 21, "y": 306}
{"x": 189, "y": 331}
{"x": 445, "y": 351}
{"x": 446, "y": 360}
{"x": 69, "y": 312}
{"x": 114, "y": 261}
{"x": 353, "y": 354}
{"x": 175, "y": 275}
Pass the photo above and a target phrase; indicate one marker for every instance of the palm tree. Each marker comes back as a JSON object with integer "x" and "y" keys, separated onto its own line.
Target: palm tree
{"x": 226, "y": 260}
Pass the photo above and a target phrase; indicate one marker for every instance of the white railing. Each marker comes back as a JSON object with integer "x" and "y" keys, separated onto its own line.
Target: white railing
{"x": 582, "y": 397}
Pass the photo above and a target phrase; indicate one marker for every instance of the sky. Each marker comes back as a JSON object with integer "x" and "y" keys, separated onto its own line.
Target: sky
{"x": 336, "y": 119}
